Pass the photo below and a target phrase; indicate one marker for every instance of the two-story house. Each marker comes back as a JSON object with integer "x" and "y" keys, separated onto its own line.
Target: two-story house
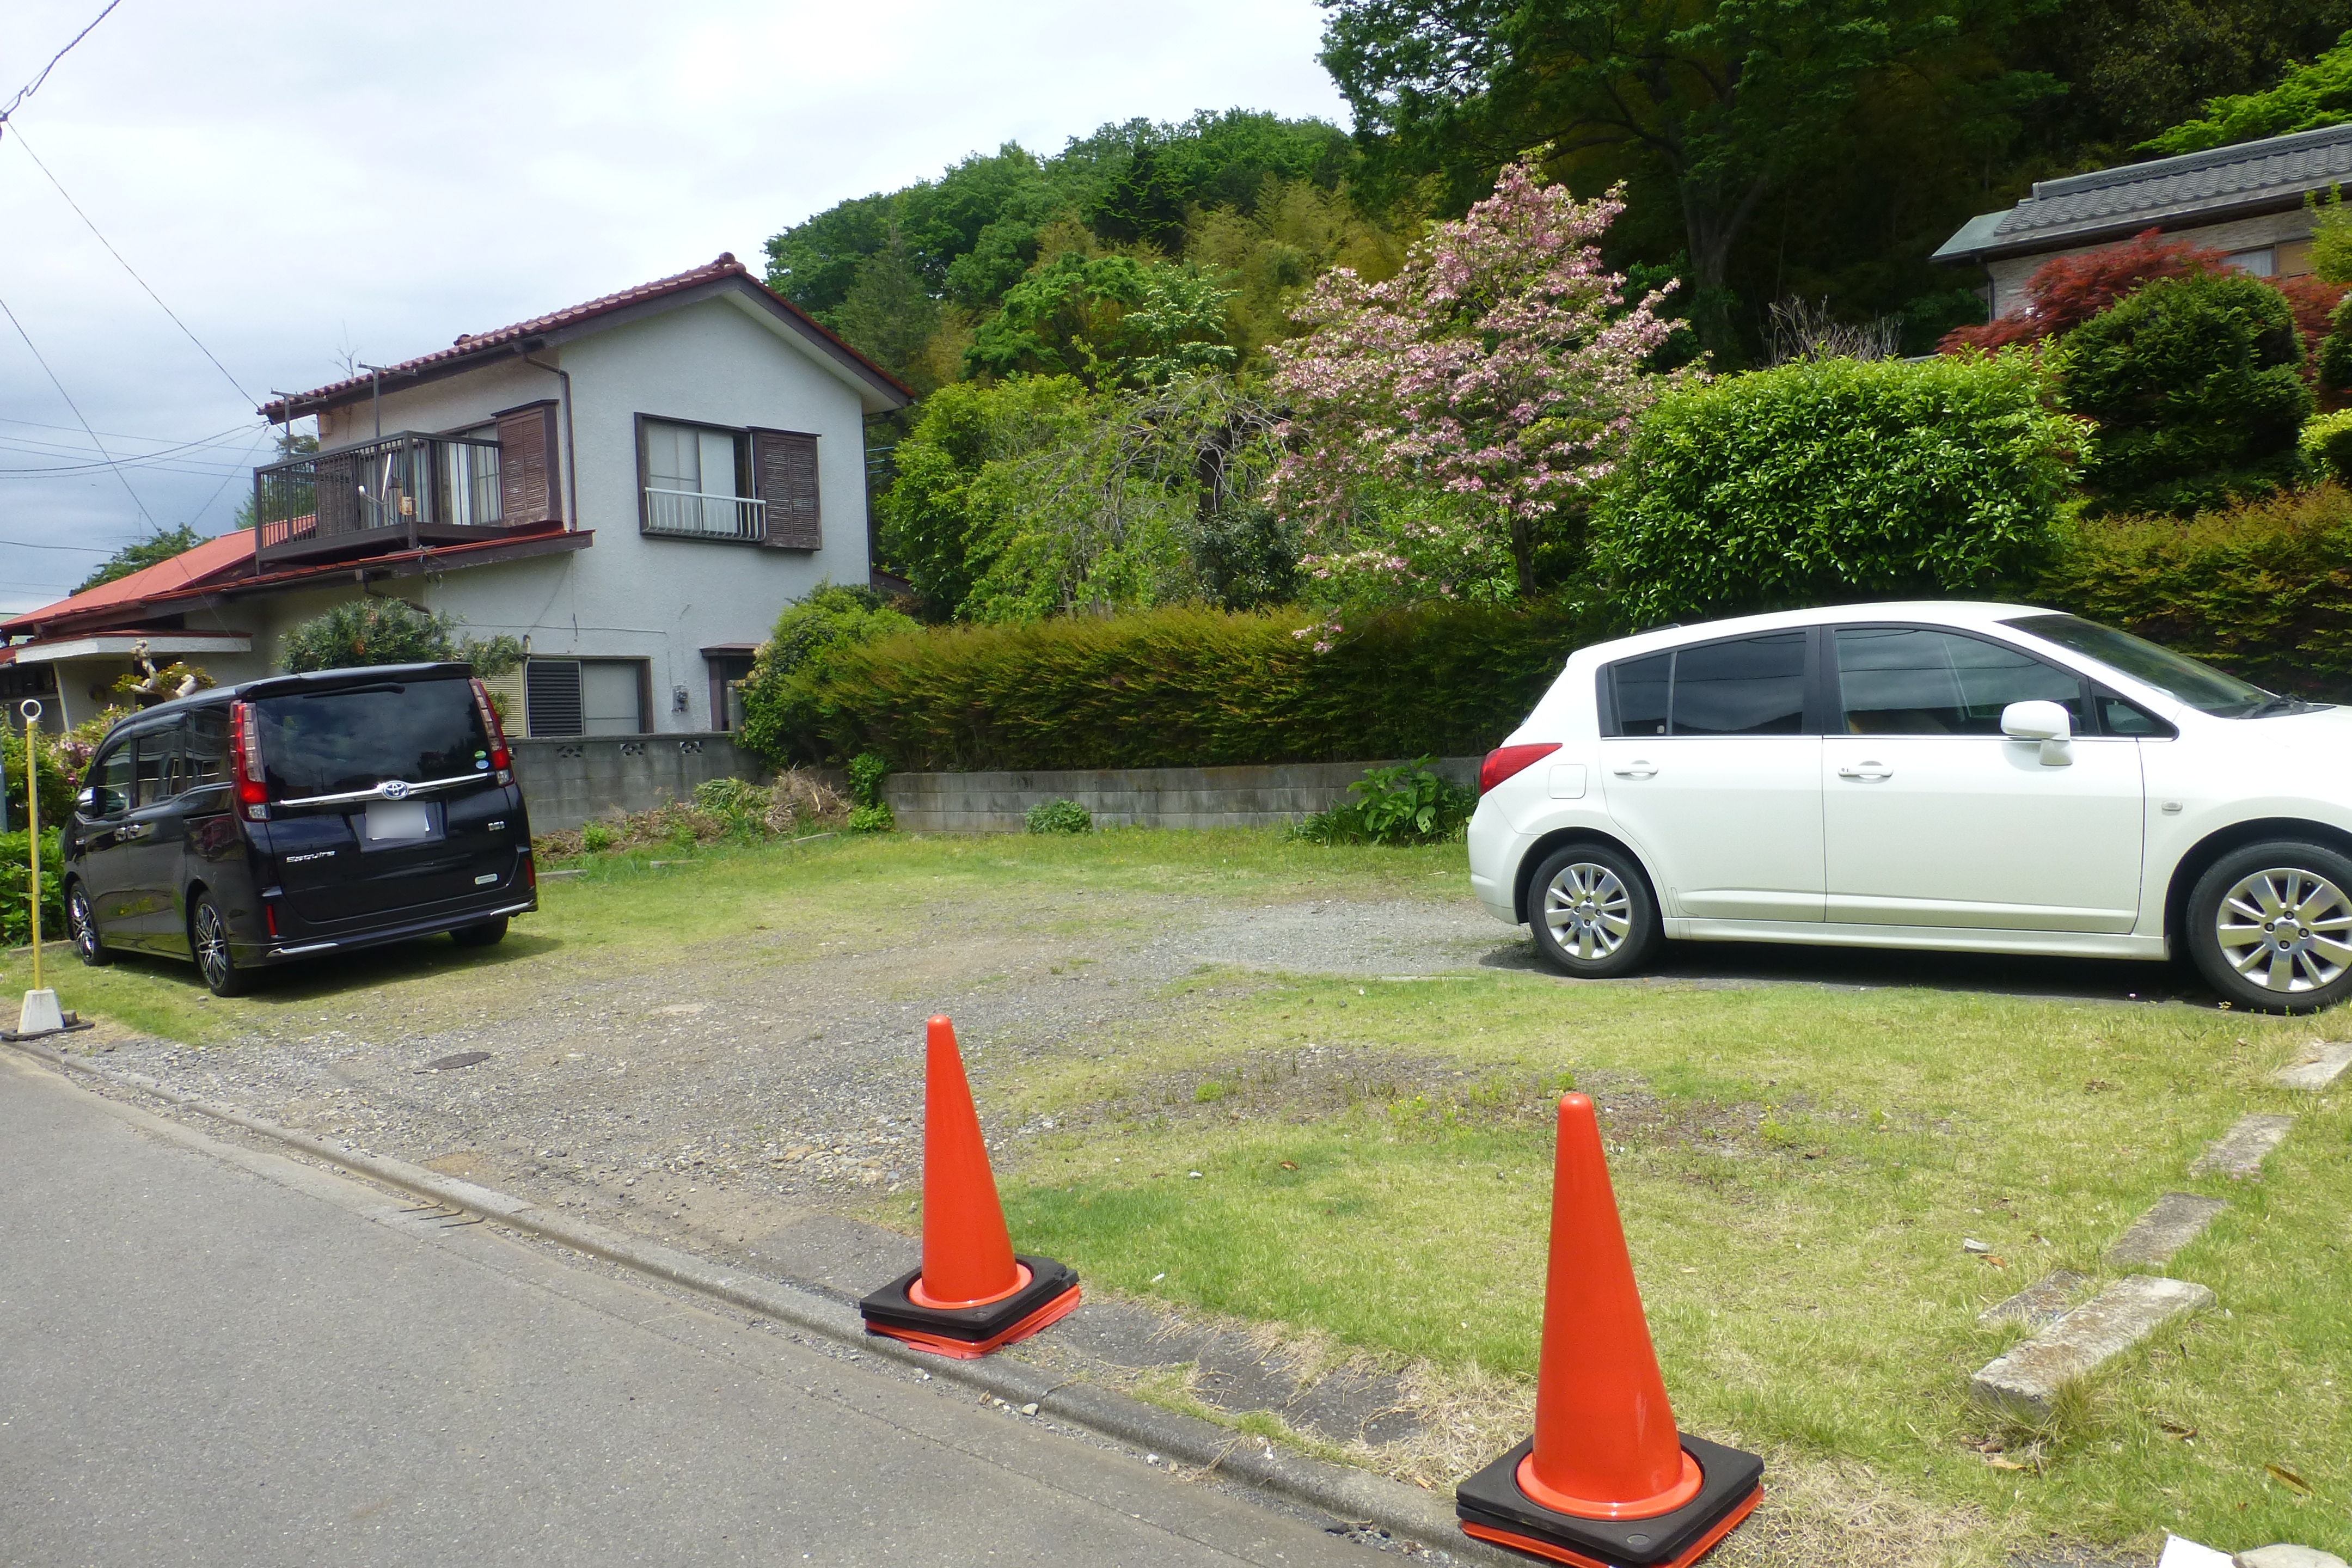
{"x": 631, "y": 488}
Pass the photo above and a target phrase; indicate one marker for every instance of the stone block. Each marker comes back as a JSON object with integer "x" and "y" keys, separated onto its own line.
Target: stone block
{"x": 2156, "y": 1236}
{"x": 2283, "y": 1555}
{"x": 2040, "y": 1304}
{"x": 2239, "y": 1152}
{"x": 2319, "y": 1066}
{"x": 2026, "y": 1380}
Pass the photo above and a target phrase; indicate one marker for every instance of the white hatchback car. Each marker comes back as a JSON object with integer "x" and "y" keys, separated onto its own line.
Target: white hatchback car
{"x": 1977, "y": 777}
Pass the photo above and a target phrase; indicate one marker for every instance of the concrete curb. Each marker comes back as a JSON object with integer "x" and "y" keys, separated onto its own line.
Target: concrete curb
{"x": 1350, "y": 1495}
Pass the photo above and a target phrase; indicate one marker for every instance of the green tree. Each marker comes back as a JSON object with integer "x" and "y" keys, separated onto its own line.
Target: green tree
{"x": 890, "y": 316}
{"x": 2197, "y": 386}
{"x": 157, "y": 547}
{"x": 1708, "y": 108}
{"x": 832, "y": 616}
{"x": 2305, "y": 98}
{"x": 366, "y": 632}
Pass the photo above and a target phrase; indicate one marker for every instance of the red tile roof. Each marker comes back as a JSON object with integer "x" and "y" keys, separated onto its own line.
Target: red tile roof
{"x": 471, "y": 344}
{"x": 190, "y": 566}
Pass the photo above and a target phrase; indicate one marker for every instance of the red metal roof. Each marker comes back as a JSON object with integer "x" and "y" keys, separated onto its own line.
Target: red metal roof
{"x": 169, "y": 576}
{"x": 472, "y": 344}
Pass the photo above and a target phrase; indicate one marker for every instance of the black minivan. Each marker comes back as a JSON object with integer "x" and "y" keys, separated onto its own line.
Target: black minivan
{"x": 299, "y": 815}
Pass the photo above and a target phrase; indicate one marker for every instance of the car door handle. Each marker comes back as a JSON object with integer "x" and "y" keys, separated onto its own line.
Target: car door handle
{"x": 1636, "y": 771}
{"x": 1867, "y": 770}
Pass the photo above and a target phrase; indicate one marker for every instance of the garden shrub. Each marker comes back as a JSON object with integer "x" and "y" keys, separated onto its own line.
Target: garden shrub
{"x": 870, "y": 812}
{"x": 1179, "y": 688}
{"x": 833, "y": 617}
{"x": 2326, "y": 443}
{"x": 2263, "y": 589}
{"x": 1834, "y": 480}
{"x": 61, "y": 772}
{"x": 365, "y": 632}
{"x": 595, "y": 837}
{"x": 1409, "y": 803}
{"x": 1058, "y": 816}
{"x": 2196, "y": 384}
{"x": 16, "y": 882}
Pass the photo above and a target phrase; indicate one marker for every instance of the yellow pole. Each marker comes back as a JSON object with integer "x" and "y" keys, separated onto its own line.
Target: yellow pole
{"x": 32, "y": 711}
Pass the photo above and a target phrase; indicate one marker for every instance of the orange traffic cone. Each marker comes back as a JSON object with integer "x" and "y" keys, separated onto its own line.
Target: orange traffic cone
{"x": 1606, "y": 1482}
{"x": 972, "y": 1294}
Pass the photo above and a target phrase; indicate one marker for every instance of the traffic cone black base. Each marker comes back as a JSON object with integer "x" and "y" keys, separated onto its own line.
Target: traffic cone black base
{"x": 1049, "y": 1294}
{"x": 1493, "y": 1507}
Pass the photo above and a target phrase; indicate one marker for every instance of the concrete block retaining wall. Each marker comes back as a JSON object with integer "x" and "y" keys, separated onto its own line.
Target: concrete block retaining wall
{"x": 1263, "y": 795}
{"x": 567, "y": 780}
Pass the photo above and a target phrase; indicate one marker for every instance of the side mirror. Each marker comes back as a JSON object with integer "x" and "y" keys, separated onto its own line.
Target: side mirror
{"x": 2044, "y": 722}
{"x": 87, "y": 802}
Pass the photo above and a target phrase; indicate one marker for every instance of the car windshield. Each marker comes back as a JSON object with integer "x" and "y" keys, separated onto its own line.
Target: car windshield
{"x": 332, "y": 742}
{"x": 2201, "y": 686}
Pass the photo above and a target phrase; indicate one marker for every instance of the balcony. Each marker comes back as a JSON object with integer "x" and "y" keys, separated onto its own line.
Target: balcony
{"x": 397, "y": 492}
{"x": 691, "y": 514}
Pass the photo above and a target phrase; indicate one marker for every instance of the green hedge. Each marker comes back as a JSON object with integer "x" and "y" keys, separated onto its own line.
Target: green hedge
{"x": 2263, "y": 590}
{"x": 1177, "y": 688}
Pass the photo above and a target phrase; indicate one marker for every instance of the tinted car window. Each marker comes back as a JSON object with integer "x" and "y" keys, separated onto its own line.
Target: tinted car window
{"x": 205, "y": 747}
{"x": 110, "y": 777}
{"x": 1752, "y": 687}
{"x": 2199, "y": 685}
{"x": 1640, "y": 689}
{"x": 151, "y": 773}
{"x": 332, "y": 742}
{"x": 1910, "y": 680}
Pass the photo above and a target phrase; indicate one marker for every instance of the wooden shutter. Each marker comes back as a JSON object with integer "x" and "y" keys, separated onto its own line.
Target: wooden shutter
{"x": 783, "y": 467}
{"x": 527, "y": 491}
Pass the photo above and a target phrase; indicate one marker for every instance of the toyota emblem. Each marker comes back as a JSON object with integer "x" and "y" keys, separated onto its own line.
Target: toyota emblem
{"x": 395, "y": 789}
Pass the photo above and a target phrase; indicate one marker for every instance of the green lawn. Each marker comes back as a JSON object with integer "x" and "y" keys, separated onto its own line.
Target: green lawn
{"x": 1798, "y": 1166}
{"x": 1804, "y": 1276}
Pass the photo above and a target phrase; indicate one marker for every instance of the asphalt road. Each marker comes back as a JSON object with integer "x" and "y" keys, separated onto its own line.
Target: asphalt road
{"x": 211, "y": 1355}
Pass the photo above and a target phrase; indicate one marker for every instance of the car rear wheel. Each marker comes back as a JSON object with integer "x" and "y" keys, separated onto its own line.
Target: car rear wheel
{"x": 2270, "y": 926}
{"x": 489, "y": 933}
{"x": 208, "y": 934}
{"x": 88, "y": 945}
{"x": 1592, "y": 912}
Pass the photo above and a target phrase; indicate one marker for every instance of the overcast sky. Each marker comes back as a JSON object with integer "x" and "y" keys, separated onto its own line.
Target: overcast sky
{"x": 300, "y": 184}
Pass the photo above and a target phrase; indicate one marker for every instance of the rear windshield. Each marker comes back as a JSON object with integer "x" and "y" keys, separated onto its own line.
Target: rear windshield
{"x": 332, "y": 742}
{"x": 2201, "y": 686}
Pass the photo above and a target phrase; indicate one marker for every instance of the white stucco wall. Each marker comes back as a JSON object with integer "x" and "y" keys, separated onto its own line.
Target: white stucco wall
{"x": 717, "y": 361}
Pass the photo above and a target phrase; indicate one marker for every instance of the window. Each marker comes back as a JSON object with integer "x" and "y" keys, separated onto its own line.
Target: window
{"x": 727, "y": 666}
{"x": 1911, "y": 681}
{"x": 204, "y": 745}
{"x": 1750, "y": 686}
{"x": 109, "y": 777}
{"x": 2201, "y": 686}
{"x": 698, "y": 482}
{"x": 584, "y": 695}
{"x": 2119, "y": 717}
{"x": 158, "y": 751}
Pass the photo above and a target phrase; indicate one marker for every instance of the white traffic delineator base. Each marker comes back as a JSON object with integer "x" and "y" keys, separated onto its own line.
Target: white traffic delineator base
{"x": 40, "y": 1016}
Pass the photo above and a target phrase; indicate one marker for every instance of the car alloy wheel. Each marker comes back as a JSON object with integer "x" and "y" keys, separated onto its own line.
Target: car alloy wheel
{"x": 1588, "y": 911}
{"x": 88, "y": 943}
{"x": 214, "y": 960}
{"x": 2286, "y": 929}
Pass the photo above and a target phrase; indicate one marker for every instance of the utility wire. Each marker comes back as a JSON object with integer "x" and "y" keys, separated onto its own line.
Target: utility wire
{"x": 151, "y": 526}
{"x": 34, "y": 86}
{"x": 136, "y": 460}
{"x": 85, "y": 548}
{"x": 167, "y": 309}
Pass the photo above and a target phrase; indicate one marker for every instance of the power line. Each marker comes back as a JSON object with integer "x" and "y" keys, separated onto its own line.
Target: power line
{"x": 60, "y": 385}
{"x": 136, "y": 460}
{"x": 86, "y": 549}
{"x": 167, "y": 309}
{"x": 34, "y": 86}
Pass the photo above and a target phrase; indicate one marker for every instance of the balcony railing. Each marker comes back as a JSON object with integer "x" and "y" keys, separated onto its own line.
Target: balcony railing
{"x": 690, "y": 514}
{"x": 397, "y": 492}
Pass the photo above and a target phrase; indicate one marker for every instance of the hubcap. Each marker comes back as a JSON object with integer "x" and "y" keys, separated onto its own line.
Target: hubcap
{"x": 85, "y": 933}
{"x": 2286, "y": 929}
{"x": 1588, "y": 911}
{"x": 212, "y": 944}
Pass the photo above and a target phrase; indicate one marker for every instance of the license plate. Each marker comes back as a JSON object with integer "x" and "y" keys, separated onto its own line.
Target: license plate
{"x": 399, "y": 819}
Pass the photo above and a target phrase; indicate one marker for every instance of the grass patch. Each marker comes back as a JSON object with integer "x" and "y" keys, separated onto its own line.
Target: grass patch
{"x": 1798, "y": 1167}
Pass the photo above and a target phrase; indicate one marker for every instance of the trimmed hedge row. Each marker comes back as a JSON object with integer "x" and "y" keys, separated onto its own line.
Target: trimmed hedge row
{"x": 2263, "y": 590}
{"x": 1178, "y": 688}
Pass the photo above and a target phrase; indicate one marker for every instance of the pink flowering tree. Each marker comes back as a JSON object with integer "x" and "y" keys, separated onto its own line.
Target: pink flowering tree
{"x": 1442, "y": 422}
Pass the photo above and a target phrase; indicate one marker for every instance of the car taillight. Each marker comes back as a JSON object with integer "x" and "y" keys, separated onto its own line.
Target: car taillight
{"x": 1504, "y": 761}
{"x": 245, "y": 752}
{"x": 492, "y": 728}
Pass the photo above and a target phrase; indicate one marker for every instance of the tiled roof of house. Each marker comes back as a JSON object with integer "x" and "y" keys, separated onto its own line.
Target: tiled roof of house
{"x": 472, "y": 345}
{"x": 2166, "y": 193}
